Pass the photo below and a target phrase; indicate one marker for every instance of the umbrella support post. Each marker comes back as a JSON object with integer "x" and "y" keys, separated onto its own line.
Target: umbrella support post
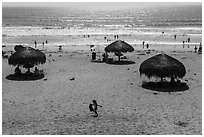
{"x": 118, "y": 58}
{"x": 29, "y": 70}
{"x": 162, "y": 79}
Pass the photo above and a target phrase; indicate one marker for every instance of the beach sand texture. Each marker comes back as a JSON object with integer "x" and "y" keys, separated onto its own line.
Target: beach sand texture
{"x": 58, "y": 105}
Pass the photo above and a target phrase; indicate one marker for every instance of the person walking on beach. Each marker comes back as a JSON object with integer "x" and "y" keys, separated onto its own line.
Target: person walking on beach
{"x": 114, "y": 36}
{"x": 43, "y": 44}
{"x": 46, "y": 42}
{"x": 195, "y": 48}
{"x": 200, "y": 49}
{"x": 147, "y": 46}
{"x": 143, "y": 43}
{"x": 35, "y": 44}
{"x": 93, "y": 107}
{"x": 183, "y": 44}
{"x": 175, "y": 37}
{"x": 189, "y": 39}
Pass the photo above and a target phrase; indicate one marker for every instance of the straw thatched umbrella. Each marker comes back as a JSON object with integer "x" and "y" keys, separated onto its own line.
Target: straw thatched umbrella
{"x": 27, "y": 57}
{"x": 162, "y": 66}
{"x": 19, "y": 47}
{"x": 119, "y": 47}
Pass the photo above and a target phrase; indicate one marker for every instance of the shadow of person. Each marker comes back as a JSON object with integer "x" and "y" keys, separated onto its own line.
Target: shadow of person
{"x": 25, "y": 77}
{"x": 122, "y": 62}
{"x": 165, "y": 86}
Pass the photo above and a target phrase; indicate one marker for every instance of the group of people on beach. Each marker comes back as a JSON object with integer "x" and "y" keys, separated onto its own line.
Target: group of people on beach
{"x": 147, "y": 45}
{"x": 18, "y": 71}
{"x": 43, "y": 43}
{"x": 108, "y": 39}
{"x": 199, "y": 49}
{"x": 93, "y": 56}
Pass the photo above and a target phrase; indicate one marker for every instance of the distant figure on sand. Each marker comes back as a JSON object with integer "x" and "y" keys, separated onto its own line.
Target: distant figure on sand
{"x": 143, "y": 43}
{"x": 195, "y": 48}
{"x": 17, "y": 70}
{"x": 35, "y": 44}
{"x": 105, "y": 56}
{"x": 46, "y": 42}
{"x": 94, "y": 55}
{"x": 43, "y": 44}
{"x": 147, "y": 46}
{"x": 189, "y": 39}
{"x": 36, "y": 71}
{"x": 93, "y": 107}
{"x": 200, "y": 49}
{"x": 174, "y": 36}
{"x": 91, "y": 47}
{"x": 60, "y": 48}
{"x": 183, "y": 44}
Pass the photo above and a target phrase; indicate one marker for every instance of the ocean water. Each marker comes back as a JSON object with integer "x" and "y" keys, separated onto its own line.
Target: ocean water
{"x": 23, "y": 25}
{"x": 135, "y": 17}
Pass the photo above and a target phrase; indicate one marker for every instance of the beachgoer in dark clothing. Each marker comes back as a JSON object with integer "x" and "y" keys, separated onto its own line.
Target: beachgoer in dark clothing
{"x": 35, "y": 43}
{"x": 43, "y": 44}
{"x": 36, "y": 71}
{"x": 17, "y": 70}
{"x": 147, "y": 46}
{"x": 195, "y": 48}
{"x": 105, "y": 57}
{"x": 189, "y": 39}
{"x": 93, "y": 107}
{"x": 46, "y": 42}
{"x": 200, "y": 48}
{"x": 183, "y": 44}
{"x": 60, "y": 48}
{"x": 174, "y": 36}
{"x": 93, "y": 55}
{"x": 143, "y": 43}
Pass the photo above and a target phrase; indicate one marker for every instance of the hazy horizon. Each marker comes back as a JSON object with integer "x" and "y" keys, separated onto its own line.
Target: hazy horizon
{"x": 98, "y": 5}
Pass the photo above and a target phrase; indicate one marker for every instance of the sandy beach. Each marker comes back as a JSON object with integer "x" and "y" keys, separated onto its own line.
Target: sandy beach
{"x": 57, "y": 105}
{"x": 58, "y": 102}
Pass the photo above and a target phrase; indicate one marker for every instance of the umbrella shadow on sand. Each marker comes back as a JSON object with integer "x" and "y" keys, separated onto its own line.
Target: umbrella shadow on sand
{"x": 121, "y": 62}
{"x": 25, "y": 77}
{"x": 165, "y": 86}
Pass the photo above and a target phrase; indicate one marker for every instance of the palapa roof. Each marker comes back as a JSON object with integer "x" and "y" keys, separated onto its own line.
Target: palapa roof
{"x": 162, "y": 65}
{"x": 119, "y": 46}
{"x": 18, "y": 47}
{"x": 27, "y": 56}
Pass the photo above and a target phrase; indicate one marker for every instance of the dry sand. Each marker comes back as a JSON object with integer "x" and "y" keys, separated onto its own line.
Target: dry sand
{"x": 58, "y": 105}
